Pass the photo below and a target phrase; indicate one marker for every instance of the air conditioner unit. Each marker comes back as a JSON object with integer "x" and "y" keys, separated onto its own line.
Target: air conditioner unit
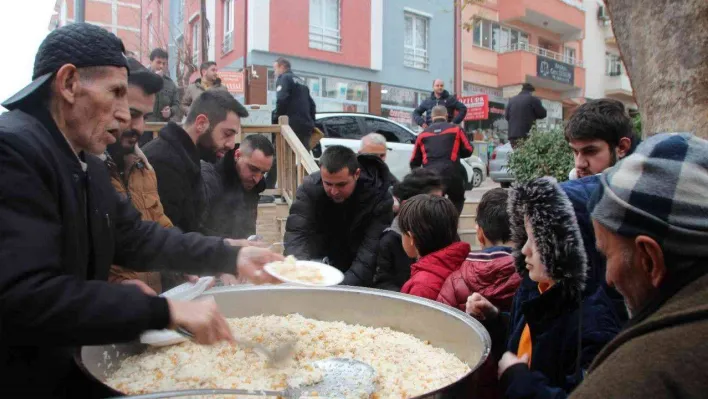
{"x": 602, "y": 14}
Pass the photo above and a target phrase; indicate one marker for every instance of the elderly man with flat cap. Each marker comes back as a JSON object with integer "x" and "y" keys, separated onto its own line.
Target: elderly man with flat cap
{"x": 62, "y": 225}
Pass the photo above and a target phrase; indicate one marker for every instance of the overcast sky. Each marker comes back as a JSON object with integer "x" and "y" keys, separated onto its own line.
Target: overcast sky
{"x": 23, "y": 26}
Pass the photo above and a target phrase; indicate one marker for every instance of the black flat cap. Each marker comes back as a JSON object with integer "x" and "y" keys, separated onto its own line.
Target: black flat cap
{"x": 80, "y": 44}
{"x": 527, "y": 87}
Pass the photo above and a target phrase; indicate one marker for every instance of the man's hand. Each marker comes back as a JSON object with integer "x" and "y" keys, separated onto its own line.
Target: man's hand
{"x": 509, "y": 359}
{"x": 166, "y": 112}
{"x": 228, "y": 279}
{"x": 201, "y": 318}
{"x": 424, "y": 126}
{"x": 250, "y": 262}
{"x": 480, "y": 307}
{"x": 143, "y": 287}
{"x": 245, "y": 243}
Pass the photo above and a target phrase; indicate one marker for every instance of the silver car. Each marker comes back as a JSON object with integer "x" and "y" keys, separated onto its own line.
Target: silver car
{"x": 499, "y": 166}
{"x": 347, "y": 129}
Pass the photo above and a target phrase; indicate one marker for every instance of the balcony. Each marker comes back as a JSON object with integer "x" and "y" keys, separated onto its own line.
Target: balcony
{"x": 563, "y": 17}
{"x": 619, "y": 87}
{"x": 524, "y": 63}
{"x": 608, "y": 33}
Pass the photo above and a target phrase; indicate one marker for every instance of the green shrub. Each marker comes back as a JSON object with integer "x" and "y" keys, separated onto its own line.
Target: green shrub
{"x": 544, "y": 153}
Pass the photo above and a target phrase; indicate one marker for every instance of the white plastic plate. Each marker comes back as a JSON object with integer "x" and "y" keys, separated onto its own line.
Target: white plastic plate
{"x": 183, "y": 292}
{"x": 332, "y": 276}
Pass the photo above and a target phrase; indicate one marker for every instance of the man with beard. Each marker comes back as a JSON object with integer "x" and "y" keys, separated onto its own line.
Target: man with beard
{"x": 131, "y": 173}
{"x": 212, "y": 124}
{"x": 439, "y": 97}
{"x": 209, "y": 81}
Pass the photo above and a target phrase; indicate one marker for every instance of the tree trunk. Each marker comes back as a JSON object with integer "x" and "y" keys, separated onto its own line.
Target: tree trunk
{"x": 664, "y": 46}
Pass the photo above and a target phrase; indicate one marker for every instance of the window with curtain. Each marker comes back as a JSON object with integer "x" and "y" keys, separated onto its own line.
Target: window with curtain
{"x": 228, "y": 43}
{"x": 613, "y": 64}
{"x": 324, "y": 25}
{"x": 494, "y": 36}
{"x": 195, "y": 42}
{"x": 415, "y": 46}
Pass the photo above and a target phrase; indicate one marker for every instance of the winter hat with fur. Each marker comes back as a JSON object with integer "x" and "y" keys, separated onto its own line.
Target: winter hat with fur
{"x": 555, "y": 229}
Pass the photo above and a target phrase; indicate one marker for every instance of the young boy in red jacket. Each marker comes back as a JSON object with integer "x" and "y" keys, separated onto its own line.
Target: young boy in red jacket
{"x": 491, "y": 271}
{"x": 429, "y": 234}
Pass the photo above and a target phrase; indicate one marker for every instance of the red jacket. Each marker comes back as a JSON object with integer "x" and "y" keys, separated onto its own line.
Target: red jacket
{"x": 429, "y": 273}
{"x": 490, "y": 272}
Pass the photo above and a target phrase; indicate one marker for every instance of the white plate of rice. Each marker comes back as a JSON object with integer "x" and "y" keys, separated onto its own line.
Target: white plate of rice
{"x": 303, "y": 272}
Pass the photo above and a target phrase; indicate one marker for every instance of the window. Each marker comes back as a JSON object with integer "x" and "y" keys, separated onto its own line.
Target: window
{"x": 392, "y": 132}
{"x": 151, "y": 33}
{"x": 613, "y": 64}
{"x": 499, "y": 38}
{"x": 228, "y": 43}
{"x": 569, "y": 55}
{"x": 343, "y": 89}
{"x": 324, "y": 25}
{"x": 415, "y": 48}
{"x": 195, "y": 42}
{"x": 342, "y": 127}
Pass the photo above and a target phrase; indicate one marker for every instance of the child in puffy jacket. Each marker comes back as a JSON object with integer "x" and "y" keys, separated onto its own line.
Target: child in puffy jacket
{"x": 393, "y": 265}
{"x": 491, "y": 271}
{"x": 429, "y": 233}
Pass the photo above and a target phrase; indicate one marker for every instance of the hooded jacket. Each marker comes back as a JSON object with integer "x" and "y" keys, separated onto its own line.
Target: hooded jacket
{"x": 489, "y": 272}
{"x": 139, "y": 184}
{"x": 446, "y": 99}
{"x": 521, "y": 112}
{"x": 175, "y": 158}
{"x": 195, "y": 89}
{"x": 393, "y": 266}
{"x": 430, "y": 272}
{"x": 568, "y": 325}
{"x": 347, "y": 233}
{"x": 230, "y": 210}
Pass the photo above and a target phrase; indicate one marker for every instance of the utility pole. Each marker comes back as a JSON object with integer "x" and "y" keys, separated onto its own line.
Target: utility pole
{"x": 203, "y": 27}
{"x": 246, "y": 73}
{"x": 457, "y": 58}
{"x": 80, "y": 11}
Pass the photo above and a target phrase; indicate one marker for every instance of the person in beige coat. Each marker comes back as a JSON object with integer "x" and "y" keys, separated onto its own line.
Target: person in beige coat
{"x": 209, "y": 80}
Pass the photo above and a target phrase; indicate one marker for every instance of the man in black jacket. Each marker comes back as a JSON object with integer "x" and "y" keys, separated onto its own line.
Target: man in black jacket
{"x": 63, "y": 225}
{"x": 293, "y": 100}
{"x": 233, "y": 187}
{"x": 441, "y": 147}
{"x": 521, "y": 113}
{"x": 439, "y": 96}
{"x": 340, "y": 212}
{"x": 213, "y": 122}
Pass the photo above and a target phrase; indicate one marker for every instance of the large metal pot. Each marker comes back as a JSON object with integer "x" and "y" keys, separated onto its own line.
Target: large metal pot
{"x": 443, "y": 326}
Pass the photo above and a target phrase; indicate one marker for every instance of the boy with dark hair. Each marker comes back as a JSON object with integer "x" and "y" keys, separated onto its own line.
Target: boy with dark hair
{"x": 340, "y": 212}
{"x": 208, "y": 81}
{"x": 429, "y": 226}
{"x": 393, "y": 265}
{"x": 490, "y": 271}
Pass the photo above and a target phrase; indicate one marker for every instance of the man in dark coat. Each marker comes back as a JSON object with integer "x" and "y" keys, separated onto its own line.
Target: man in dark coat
{"x": 340, "y": 212}
{"x": 439, "y": 96}
{"x": 521, "y": 112}
{"x": 293, "y": 100}
{"x": 212, "y": 124}
{"x": 63, "y": 225}
{"x": 166, "y": 106}
{"x": 651, "y": 222}
{"x": 233, "y": 187}
{"x": 440, "y": 147}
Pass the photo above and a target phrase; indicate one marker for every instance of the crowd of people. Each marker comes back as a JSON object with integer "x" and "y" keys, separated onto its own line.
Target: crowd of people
{"x": 576, "y": 282}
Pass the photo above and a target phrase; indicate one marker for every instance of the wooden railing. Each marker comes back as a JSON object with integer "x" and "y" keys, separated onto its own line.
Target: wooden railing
{"x": 294, "y": 161}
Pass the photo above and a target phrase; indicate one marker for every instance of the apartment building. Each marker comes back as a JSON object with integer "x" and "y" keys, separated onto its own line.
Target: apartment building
{"x": 512, "y": 42}
{"x": 377, "y": 56}
{"x": 122, "y": 17}
{"x": 606, "y": 75}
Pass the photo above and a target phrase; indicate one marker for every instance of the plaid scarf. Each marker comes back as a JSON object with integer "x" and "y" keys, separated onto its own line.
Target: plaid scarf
{"x": 660, "y": 191}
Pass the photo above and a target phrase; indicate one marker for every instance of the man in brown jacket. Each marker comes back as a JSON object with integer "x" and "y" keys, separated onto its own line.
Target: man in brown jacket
{"x": 209, "y": 80}
{"x": 651, "y": 222}
{"x": 130, "y": 172}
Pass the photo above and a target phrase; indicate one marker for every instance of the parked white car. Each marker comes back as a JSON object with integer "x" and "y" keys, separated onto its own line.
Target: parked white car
{"x": 347, "y": 129}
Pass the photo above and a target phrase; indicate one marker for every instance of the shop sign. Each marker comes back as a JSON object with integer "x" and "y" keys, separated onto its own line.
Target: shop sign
{"x": 477, "y": 107}
{"x": 232, "y": 80}
{"x": 399, "y": 116}
{"x": 557, "y": 71}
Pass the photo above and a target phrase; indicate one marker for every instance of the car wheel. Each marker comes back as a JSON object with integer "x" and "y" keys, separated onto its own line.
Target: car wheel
{"x": 505, "y": 185}
{"x": 477, "y": 178}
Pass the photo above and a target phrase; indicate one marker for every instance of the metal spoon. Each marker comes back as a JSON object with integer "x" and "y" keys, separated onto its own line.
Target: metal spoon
{"x": 342, "y": 378}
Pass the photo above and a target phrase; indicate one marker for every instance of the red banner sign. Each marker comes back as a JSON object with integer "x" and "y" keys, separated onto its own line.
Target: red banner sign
{"x": 477, "y": 107}
{"x": 232, "y": 80}
{"x": 403, "y": 117}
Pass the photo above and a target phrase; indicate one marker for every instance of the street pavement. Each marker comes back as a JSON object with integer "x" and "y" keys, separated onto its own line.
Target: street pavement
{"x": 476, "y": 193}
